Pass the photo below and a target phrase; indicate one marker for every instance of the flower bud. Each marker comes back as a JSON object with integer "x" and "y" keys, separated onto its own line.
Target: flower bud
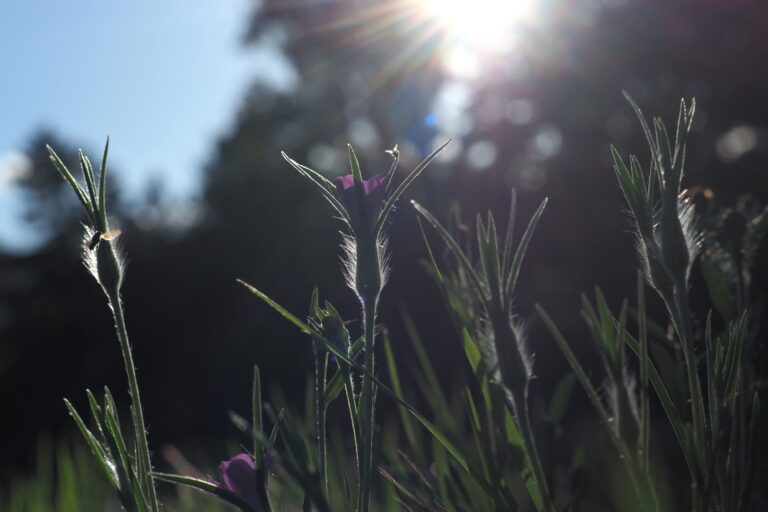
{"x": 368, "y": 279}
{"x": 656, "y": 274}
{"x": 674, "y": 246}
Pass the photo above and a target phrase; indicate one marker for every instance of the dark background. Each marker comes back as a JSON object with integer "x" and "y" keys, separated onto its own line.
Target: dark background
{"x": 196, "y": 333}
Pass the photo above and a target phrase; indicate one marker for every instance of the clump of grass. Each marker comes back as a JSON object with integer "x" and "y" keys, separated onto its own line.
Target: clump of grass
{"x": 64, "y": 477}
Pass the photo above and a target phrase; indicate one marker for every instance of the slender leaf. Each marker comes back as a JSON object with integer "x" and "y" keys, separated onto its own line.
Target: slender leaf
{"x": 107, "y": 466}
{"x": 390, "y": 202}
{"x": 509, "y": 235}
{"x": 206, "y": 486}
{"x": 397, "y": 388}
{"x": 257, "y": 423}
{"x": 517, "y": 261}
{"x": 454, "y": 246}
{"x": 90, "y": 183}
{"x": 81, "y": 195}
{"x": 102, "y": 202}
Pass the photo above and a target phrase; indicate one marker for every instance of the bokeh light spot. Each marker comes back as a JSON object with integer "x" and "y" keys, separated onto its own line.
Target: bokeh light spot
{"x": 13, "y": 167}
{"x": 545, "y": 144}
{"x": 519, "y": 112}
{"x": 736, "y": 142}
{"x": 481, "y": 154}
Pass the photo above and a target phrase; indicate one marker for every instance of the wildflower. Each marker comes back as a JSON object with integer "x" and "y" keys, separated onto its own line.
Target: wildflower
{"x": 364, "y": 206}
{"x": 240, "y": 476}
{"x": 373, "y": 193}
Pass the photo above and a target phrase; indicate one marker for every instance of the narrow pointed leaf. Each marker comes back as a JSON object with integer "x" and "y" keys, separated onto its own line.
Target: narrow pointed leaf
{"x": 395, "y": 153}
{"x": 644, "y": 125}
{"x": 257, "y": 424}
{"x": 102, "y": 203}
{"x": 354, "y": 164}
{"x": 517, "y": 261}
{"x": 509, "y": 236}
{"x": 674, "y": 416}
{"x": 277, "y": 307}
{"x": 62, "y": 168}
{"x": 206, "y": 486}
{"x": 96, "y": 413}
{"x": 454, "y": 246}
{"x": 592, "y": 393}
{"x": 326, "y": 188}
{"x": 107, "y": 466}
{"x": 90, "y": 183}
{"x": 125, "y": 468}
{"x": 391, "y": 200}
{"x": 394, "y": 377}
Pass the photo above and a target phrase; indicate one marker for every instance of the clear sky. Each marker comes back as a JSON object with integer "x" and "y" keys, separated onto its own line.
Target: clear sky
{"x": 162, "y": 78}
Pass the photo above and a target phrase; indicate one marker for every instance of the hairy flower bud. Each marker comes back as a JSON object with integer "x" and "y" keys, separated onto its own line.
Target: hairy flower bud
{"x": 655, "y": 273}
{"x": 103, "y": 258}
{"x": 674, "y": 246}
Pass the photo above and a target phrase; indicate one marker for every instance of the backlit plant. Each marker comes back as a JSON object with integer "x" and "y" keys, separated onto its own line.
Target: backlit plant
{"x": 481, "y": 451}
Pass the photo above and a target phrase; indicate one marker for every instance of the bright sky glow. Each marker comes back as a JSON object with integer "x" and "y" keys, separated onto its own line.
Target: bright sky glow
{"x": 485, "y": 24}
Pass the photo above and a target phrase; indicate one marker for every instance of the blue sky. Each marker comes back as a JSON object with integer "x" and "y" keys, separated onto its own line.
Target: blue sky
{"x": 162, "y": 78}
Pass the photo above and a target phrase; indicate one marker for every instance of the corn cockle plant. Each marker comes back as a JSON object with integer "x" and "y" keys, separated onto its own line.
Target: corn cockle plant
{"x": 127, "y": 465}
{"x": 364, "y": 206}
{"x": 624, "y": 412}
{"x": 483, "y": 454}
{"x": 498, "y": 333}
{"x": 718, "y": 436}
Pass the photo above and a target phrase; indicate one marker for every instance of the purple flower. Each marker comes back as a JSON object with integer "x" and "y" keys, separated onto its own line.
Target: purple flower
{"x": 373, "y": 195}
{"x": 239, "y": 476}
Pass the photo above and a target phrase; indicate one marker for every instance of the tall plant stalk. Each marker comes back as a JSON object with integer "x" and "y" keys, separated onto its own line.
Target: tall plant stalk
{"x": 500, "y": 336}
{"x": 368, "y": 397}
{"x": 364, "y": 206}
{"x": 131, "y": 478}
{"x": 137, "y": 412}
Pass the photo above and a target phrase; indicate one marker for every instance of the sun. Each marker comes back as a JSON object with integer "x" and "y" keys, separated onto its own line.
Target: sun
{"x": 481, "y": 23}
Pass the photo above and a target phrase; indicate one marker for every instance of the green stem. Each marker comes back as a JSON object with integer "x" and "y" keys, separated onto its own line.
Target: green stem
{"x": 349, "y": 391}
{"x": 531, "y": 452}
{"x": 321, "y": 366}
{"x": 142, "y": 446}
{"x": 680, "y": 313}
{"x": 368, "y": 399}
